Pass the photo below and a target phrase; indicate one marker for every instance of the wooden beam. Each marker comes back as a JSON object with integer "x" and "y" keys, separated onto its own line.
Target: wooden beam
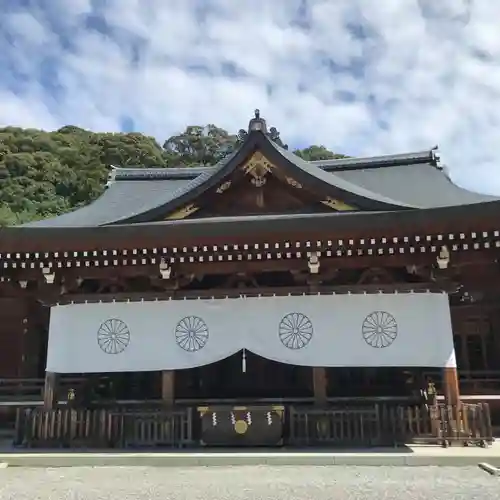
{"x": 230, "y": 265}
{"x": 252, "y": 292}
{"x": 320, "y": 386}
{"x": 379, "y": 225}
{"x": 168, "y": 387}
{"x": 50, "y": 398}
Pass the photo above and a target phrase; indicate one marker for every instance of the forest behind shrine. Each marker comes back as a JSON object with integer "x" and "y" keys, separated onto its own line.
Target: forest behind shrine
{"x": 45, "y": 174}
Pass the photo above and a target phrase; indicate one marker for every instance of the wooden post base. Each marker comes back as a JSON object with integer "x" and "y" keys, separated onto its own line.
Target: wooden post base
{"x": 452, "y": 400}
{"x": 451, "y": 387}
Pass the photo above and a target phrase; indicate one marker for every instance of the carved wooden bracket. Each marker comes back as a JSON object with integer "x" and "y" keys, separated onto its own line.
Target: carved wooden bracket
{"x": 303, "y": 277}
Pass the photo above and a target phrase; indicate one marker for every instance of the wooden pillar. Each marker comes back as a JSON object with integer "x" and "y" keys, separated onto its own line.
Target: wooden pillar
{"x": 451, "y": 387}
{"x": 50, "y": 399}
{"x": 320, "y": 386}
{"x": 320, "y": 380}
{"x": 168, "y": 387}
{"x": 455, "y": 421}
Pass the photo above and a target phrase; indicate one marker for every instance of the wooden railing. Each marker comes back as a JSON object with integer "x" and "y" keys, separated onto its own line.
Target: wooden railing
{"x": 440, "y": 424}
{"x": 369, "y": 425}
{"x": 157, "y": 428}
{"x": 476, "y": 382}
{"x": 19, "y": 389}
{"x": 383, "y": 425}
{"x": 347, "y": 426}
{"x": 101, "y": 428}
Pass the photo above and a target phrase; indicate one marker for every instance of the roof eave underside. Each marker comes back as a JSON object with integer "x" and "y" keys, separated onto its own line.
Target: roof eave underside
{"x": 455, "y": 219}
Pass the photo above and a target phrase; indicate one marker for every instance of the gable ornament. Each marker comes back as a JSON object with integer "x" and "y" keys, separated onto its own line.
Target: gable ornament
{"x": 338, "y": 205}
{"x": 292, "y": 182}
{"x": 223, "y": 187}
{"x": 258, "y": 166}
{"x": 259, "y": 124}
{"x": 183, "y": 212}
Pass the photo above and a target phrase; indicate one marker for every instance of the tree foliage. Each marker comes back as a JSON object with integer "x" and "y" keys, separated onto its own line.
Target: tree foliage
{"x": 317, "y": 153}
{"x": 198, "y": 146}
{"x": 49, "y": 173}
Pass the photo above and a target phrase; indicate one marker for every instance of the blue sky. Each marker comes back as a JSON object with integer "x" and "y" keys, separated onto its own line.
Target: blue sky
{"x": 361, "y": 77}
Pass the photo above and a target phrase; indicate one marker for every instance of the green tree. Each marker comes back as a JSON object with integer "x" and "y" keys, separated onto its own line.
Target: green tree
{"x": 198, "y": 146}
{"x": 317, "y": 153}
{"x": 43, "y": 174}
{"x": 9, "y": 218}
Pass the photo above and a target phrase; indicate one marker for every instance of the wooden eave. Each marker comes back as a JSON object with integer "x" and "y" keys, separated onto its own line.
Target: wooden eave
{"x": 236, "y": 230}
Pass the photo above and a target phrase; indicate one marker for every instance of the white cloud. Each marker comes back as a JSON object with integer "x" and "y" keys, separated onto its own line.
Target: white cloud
{"x": 428, "y": 71}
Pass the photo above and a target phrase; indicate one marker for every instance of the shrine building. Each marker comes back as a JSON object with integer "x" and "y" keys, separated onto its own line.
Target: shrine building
{"x": 259, "y": 292}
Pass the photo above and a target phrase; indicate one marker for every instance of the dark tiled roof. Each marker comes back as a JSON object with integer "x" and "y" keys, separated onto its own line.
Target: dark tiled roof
{"x": 428, "y": 156}
{"x": 143, "y": 174}
{"x": 337, "y": 182}
{"x": 120, "y": 200}
{"x": 392, "y": 182}
{"x": 412, "y": 180}
{"x": 417, "y": 180}
{"x": 421, "y": 185}
{"x": 132, "y": 192}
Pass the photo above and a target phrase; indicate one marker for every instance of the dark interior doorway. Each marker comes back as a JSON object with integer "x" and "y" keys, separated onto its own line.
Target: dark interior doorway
{"x": 262, "y": 379}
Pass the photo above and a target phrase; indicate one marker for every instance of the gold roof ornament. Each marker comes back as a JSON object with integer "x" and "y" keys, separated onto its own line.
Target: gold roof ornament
{"x": 183, "y": 212}
{"x": 338, "y": 205}
{"x": 223, "y": 187}
{"x": 293, "y": 182}
{"x": 258, "y": 166}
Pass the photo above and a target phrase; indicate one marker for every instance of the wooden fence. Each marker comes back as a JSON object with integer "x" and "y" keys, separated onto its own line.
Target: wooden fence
{"x": 334, "y": 427}
{"x": 156, "y": 428}
{"x": 374, "y": 425}
{"x": 101, "y": 428}
{"x": 391, "y": 425}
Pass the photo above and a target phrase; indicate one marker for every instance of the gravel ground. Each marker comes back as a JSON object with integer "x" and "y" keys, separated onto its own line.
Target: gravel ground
{"x": 238, "y": 483}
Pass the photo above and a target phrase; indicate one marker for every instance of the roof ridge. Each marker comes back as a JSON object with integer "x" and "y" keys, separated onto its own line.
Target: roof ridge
{"x": 137, "y": 173}
{"x": 155, "y": 173}
{"x": 428, "y": 156}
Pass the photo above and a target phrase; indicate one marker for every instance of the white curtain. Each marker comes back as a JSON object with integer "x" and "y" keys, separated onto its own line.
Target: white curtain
{"x": 321, "y": 330}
